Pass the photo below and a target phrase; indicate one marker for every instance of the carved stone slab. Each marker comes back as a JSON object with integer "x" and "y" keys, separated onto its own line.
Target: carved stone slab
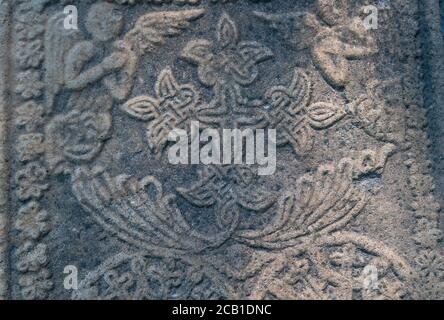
{"x": 92, "y": 208}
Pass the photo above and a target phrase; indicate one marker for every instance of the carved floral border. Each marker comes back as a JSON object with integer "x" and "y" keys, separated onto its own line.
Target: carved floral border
{"x": 424, "y": 208}
{"x": 29, "y": 181}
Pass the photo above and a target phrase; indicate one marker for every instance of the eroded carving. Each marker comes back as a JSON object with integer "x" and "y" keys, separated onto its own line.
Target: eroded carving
{"x": 337, "y": 37}
{"x": 307, "y": 241}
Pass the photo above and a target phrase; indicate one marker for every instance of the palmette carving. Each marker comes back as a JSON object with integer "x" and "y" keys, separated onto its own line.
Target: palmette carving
{"x": 139, "y": 213}
{"x": 323, "y": 202}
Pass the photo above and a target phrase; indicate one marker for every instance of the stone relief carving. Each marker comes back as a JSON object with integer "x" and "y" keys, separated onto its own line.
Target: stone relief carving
{"x": 308, "y": 247}
{"x": 172, "y": 108}
{"x": 337, "y": 37}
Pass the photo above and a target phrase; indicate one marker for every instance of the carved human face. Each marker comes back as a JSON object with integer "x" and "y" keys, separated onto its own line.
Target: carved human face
{"x": 78, "y": 136}
{"x": 104, "y": 22}
{"x": 84, "y": 135}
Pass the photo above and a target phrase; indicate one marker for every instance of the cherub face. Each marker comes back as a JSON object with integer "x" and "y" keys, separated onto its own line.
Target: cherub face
{"x": 104, "y": 22}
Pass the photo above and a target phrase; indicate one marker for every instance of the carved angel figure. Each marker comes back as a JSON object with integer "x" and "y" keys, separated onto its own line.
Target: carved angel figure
{"x": 333, "y": 37}
{"x": 76, "y": 67}
{"x": 71, "y": 60}
{"x": 116, "y": 70}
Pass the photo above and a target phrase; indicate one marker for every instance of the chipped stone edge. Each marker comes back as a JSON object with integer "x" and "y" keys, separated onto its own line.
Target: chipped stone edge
{"x": 4, "y": 165}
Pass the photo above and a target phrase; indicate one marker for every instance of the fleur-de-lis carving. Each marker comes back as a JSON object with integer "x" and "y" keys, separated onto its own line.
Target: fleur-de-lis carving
{"x": 228, "y": 60}
{"x": 295, "y": 118}
{"x": 170, "y": 109}
{"x": 226, "y": 65}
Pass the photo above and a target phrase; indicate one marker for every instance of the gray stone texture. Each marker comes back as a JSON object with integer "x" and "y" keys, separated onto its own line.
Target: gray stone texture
{"x": 352, "y": 211}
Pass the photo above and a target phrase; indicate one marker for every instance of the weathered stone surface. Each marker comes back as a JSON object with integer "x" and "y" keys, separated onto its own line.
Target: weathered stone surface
{"x": 85, "y": 180}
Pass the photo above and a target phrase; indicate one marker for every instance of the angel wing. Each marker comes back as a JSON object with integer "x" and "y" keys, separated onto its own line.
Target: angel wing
{"x": 139, "y": 213}
{"x": 58, "y": 41}
{"x": 151, "y": 29}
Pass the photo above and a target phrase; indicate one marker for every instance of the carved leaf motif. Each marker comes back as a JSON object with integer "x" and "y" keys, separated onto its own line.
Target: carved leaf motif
{"x": 198, "y": 51}
{"x": 143, "y": 108}
{"x": 166, "y": 86}
{"x": 322, "y": 202}
{"x": 138, "y": 212}
{"x": 228, "y": 35}
{"x": 323, "y": 114}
